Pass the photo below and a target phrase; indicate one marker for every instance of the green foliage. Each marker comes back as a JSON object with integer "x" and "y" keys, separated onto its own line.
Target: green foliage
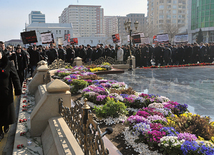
{"x": 68, "y": 67}
{"x": 200, "y": 37}
{"x": 111, "y": 109}
{"x": 62, "y": 75}
{"x": 78, "y": 85}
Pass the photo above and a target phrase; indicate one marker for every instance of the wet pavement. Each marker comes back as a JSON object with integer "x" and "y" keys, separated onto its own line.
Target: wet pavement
{"x": 191, "y": 85}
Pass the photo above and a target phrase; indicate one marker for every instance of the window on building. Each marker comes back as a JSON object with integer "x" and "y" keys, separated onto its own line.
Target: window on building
{"x": 161, "y": 7}
{"x": 56, "y": 31}
{"x": 59, "y": 31}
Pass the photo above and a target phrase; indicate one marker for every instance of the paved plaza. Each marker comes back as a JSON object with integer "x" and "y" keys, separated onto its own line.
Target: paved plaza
{"x": 191, "y": 85}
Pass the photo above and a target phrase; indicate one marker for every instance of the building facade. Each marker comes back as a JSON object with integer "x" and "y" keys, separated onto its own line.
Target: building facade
{"x": 14, "y": 42}
{"x": 110, "y": 25}
{"x": 140, "y": 17}
{"x": 167, "y": 15}
{"x": 86, "y": 20}
{"x": 59, "y": 30}
{"x": 201, "y": 16}
{"x": 36, "y": 17}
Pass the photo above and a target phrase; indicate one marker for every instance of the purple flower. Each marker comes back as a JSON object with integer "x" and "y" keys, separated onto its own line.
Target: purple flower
{"x": 187, "y": 136}
{"x": 100, "y": 97}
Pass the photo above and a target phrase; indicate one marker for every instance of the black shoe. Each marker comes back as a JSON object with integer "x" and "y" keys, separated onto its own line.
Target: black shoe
{"x": 6, "y": 129}
{"x": 1, "y": 136}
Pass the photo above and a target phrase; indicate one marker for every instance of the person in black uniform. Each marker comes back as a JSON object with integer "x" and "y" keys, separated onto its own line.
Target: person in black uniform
{"x": 61, "y": 52}
{"x": 113, "y": 52}
{"x": 20, "y": 63}
{"x": 70, "y": 54}
{"x": 195, "y": 53}
{"x": 188, "y": 54}
{"x": 34, "y": 58}
{"x": 52, "y": 54}
{"x": 158, "y": 51}
{"x": 89, "y": 53}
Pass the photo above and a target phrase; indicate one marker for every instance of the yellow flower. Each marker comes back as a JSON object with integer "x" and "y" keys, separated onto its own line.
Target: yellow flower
{"x": 200, "y": 138}
{"x": 212, "y": 139}
{"x": 212, "y": 123}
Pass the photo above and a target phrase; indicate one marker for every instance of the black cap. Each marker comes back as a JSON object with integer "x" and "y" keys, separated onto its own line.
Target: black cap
{"x": 88, "y": 45}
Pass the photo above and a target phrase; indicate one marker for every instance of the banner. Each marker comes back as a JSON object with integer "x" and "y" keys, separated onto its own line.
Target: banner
{"x": 181, "y": 38}
{"x": 162, "y": 37}
{"x": 47, "y": 38}
{"x": 155, "y": 39}
{"x": 74, "y": 41}
{"x": 145, "y": 41}
{"x": 116, "y": 38}
{"x": 136, "y": 39}
{"x": 67, "y": 37}
{"x": 29, "y": 37}
{"x": 141, "y": 34}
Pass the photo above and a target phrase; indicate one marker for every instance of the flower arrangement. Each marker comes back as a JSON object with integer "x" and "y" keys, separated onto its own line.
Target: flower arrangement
{"x": 111, "y": 109}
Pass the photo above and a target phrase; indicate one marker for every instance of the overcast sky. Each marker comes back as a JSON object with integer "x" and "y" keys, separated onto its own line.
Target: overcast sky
{"x": 14, "y": 13}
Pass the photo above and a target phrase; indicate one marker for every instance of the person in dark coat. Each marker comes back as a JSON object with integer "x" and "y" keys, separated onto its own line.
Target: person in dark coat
{"x": 106, "y": 52}
{"x": 89, "y": 53}
{"x": 202, "y": 52}
{"x": 158, "y": 51}
{"x": 42, "y": 54}
{"x": 180, "y": 54}
{"x": 82, "y": 52}
{"x": 34, "y": 58}
{"x": 167, "y": 55}
{"x": 211, "y": 52}
{"x": 98, "y": 53}
{"x": 61, "y": 52}
{"x": 70, "y": 54}
{"x": 8, "y": 79}
{"x": 52, "y": 54}
{"x": 93, "y": 53}
{"x": 113, "y": 53}
{"x": 188, "y": 54}
{"x": 20, "y": 63}
{"x": 138, "y": 57}
{"x": 195, "y": 53}
{"x": 144, "y": 56}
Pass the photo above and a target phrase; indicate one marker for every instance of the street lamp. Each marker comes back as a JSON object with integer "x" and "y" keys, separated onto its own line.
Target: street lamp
{"x": 128, "y": 29}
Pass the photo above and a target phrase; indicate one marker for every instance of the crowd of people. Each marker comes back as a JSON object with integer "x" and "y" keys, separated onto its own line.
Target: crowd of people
{"x": 26, "y": 60}
{"x": 167, "y": 54}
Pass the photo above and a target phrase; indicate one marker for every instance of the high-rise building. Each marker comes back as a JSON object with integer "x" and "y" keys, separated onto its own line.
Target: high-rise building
{"x": 140, "y": 17}
{"x": 36, "y": 17}
{"x": 167, "y": 15}
{"x": 110, "y": 25}
{"x": 201, "y": 16}
{"x": 87, "y": 20}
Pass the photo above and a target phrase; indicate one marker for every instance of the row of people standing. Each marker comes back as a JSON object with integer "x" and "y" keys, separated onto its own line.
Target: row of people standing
{"x": 167, "y": 54}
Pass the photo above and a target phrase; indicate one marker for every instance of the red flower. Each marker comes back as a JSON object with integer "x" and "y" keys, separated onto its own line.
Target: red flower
{"x": 24, "y": 86}
{"x": 20, "y": 121}
{"x": 24, "y": 120}
{"x": 24, "y": 109}
{"x": 19, "y": 146}
{"x": 24, "y": 101}
{"x": 22, "y": 133}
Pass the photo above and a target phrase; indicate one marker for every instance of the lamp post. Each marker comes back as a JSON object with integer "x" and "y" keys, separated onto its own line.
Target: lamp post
{"x": 128, "y": 29}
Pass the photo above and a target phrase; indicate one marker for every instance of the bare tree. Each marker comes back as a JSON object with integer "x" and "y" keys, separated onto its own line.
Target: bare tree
{"x": 171, "y": 29}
